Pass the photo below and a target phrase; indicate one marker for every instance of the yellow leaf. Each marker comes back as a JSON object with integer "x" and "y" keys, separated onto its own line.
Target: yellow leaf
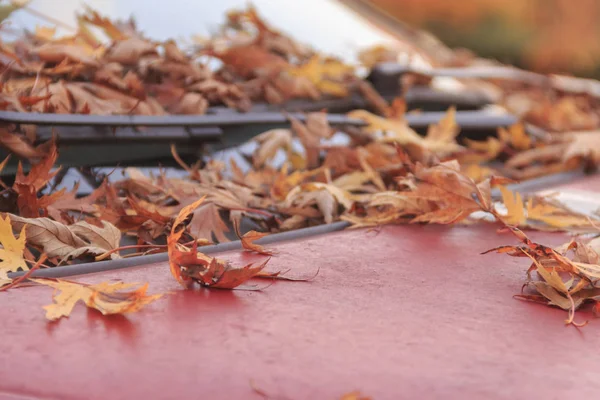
{"x": 440, "y": 140}
{"x": 483, "y": 151}
{"x": 477, "y": 172}
{"x": 398, "y": 128}
{"x": 549, "y": 275}
{"x": 326, "y": 75}
{"x": 514, "y": 205}
{"x": 516, "y": 136}
{"x": 45, "y": 33}
{"x": 445, "y": 130}
{"x": 12, "y": 249}
{"x": 539, "y": 210}
{"x": 106, "y": 297}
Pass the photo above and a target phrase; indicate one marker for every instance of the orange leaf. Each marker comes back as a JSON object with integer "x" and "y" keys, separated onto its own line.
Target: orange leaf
{"x": 173, "y": 239}
{"x": 249, "y": 238}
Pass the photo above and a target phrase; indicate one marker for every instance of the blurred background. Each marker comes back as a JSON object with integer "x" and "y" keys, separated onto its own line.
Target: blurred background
{"x": 542, "y": 35}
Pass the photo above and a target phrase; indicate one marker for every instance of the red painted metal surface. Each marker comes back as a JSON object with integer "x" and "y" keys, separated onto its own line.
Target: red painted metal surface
{"x": 403, "y": 313}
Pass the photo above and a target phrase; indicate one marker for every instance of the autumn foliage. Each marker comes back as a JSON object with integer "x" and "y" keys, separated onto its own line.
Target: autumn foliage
{"x": 381, "y": 173}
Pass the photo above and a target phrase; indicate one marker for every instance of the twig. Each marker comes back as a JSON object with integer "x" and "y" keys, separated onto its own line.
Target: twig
{"x": 25, "y": 276}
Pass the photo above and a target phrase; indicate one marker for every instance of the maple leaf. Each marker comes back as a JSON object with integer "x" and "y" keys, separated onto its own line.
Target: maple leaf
{"x": 563, "y": 282}
{"x": 206, "y": 222}
{"x": 445, "y": 131}
{"x": 11, "y": 253}
{"x": 108, "y": 298}
{"x": 516, "y": 136}
{"x": 173, "y": 241}
{"x": 455, "y": 196}
{"x": 27, "y": 186}
{"x": 248, "y": 240}
{"x": 326, "y": 197}
{"x": 440, "y": 139}
{"x": 20, "y": 146}
{"x": 69, "y": 201}
{"x": 189, "y": 265}
{"x": 515, "y": 208}
{"x": 268, "y": 144}
{"x": 40, "y": 173}
{"x": 554, "y": 215}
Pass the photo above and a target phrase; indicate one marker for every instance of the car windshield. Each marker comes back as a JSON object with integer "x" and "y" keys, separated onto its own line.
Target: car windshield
{"x": 326, "y": 25}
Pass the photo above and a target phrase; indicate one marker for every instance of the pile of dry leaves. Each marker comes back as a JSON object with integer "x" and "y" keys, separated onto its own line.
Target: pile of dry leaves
{"x": 131, "y": 74}
{"x": 383, "y": 173}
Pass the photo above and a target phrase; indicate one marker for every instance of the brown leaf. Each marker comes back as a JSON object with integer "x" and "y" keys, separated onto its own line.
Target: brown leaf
{"x": 58, "y": 240}
{"x": 251, "y": 60}
{"x": 56, "y": 53}
{"x": 40, "y": 173}
{"x": 190, "y": 103}
{"x": 19, "y": 145}
{"x": 206, "y": 222}
{"x": 129, "y": 51}
{"x": 107, "y": 237}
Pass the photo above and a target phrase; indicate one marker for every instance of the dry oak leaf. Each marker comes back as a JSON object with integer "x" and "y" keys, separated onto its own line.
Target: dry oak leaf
{"x": 106, "y": 297}
{"x": 12, "y": 249}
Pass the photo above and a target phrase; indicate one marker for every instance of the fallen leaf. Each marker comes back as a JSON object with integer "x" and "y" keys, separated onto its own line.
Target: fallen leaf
{"x": 11, "y": 253}
{"x": 108, "y": 298}
{"x": 327, "y": 75}
{"x": 59, "y": 240}
{"x": 189, "y": 265}
{"x": 206, "y": 222}
{"x": 515, "y": 208}
{"x": 516, "y": 136}
{"x": 268, "y": 144}
{"x": 248, "y": 241}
